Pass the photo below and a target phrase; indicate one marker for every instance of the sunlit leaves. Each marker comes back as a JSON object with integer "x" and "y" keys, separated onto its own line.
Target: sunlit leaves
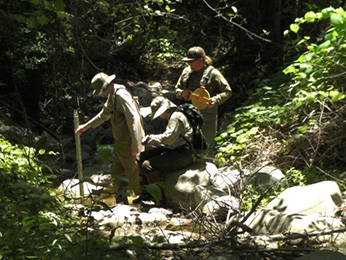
{"x": 337, "y": 20}
{"x": 336, "y": 95}
{"x": 294, "y": 27}
{"x": 316, "y": 80}
{"x": 34, "y": 223}
{"x": 312, "y": 16}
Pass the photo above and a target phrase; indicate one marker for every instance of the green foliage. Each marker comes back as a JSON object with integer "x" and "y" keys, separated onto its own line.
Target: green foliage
{"x": 104, "y": 151}
{"x": 296, "y": 177}
{"x": 155, "y": 190}
{"x": 34, "y": 223}
{"x": 251, "y": 197}
{"x": 287, "y": 101}
{"x": 165, "y": 50}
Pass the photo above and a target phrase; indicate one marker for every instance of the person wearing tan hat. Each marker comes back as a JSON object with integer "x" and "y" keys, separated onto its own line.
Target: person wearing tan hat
{"x": 123, "y": 112}
{"x": 171, "y": 150}
{"x": 200, "y": 72}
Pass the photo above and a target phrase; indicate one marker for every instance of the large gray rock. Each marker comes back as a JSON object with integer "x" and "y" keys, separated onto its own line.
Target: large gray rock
{"x": 226, "y": 178}
{"x": 317, "y": 199}
{"x": 71, "y": 188}
{"x": 203, "y": 194}
{"x": 301, "y": 210}
{"x": 267, "y": 177}
{"x": 222, "y": 208}
{"x": 323, "y": 255}
{"x": 125, "y": 214}
{"x": 143, "y": 93}
{"x": 231, "y": 179}
{"x": 181, "y": 185}
{"x": 274, "y": 222}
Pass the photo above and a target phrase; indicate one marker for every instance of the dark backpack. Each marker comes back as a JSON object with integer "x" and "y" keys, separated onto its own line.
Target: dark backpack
{"x": 199, "y": 143}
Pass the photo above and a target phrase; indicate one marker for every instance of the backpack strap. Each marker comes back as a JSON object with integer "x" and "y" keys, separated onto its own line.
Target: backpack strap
{"x": 205, "y": 80}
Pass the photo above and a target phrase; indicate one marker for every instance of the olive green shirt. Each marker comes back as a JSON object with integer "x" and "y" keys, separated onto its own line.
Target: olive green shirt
{"x": 178, "y": 130}
{"x": 217, "y": 85}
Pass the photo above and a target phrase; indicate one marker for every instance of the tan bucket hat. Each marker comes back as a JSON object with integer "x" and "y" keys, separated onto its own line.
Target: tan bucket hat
{"x": 159, "y": 105}
{"x": 100, "y": 82}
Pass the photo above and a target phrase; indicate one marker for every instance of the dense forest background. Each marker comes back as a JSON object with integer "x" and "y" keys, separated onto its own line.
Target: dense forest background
{"x": 283, "y": 59}
{"x": 51, "y": 49}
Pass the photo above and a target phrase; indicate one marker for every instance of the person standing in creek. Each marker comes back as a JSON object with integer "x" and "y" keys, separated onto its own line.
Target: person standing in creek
{"x": 124, "y": 114}
{"x": 200, "y": 73}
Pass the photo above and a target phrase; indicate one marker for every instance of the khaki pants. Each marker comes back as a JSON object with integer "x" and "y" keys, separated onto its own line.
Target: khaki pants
{"x": 210, "y": 127}
{"x": 125, "y": 165}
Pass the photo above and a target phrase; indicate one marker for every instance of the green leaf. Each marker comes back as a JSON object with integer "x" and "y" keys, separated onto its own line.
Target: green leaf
{"x": 42, "y": 19}
{"x": 294, "y": 27}
{"x": 326, "y": 12}
{"x": 89, "y": 171}
{"x": 223, "y": 135}
{"x": 139, "y": 241}
{"x": 336, "y": 95}
{"x": 104, "y": 152}
{"x": 31, "y": 22}
{"x": 154, "y": 191}
{"x": 337, "y": 20}
{"x": 59, "y": 6}
{"x": 35, "y": 2}
{"x": 324, "y": 45}
{"x": 120, "y": 177}
{"x": 289, "y": 69}
{"x": 303, "y": 128}
{"x": 68, "y": 237}
{"x": 310, "y": 16}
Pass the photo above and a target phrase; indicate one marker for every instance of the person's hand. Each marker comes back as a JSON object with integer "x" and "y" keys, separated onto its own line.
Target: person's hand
{"x": 186, "y": 94}
{"x": 82, "y": 128}
{"x": 211, "y": 104}
{"x": 145, "y": 140}
{"x": 134, "y": 151}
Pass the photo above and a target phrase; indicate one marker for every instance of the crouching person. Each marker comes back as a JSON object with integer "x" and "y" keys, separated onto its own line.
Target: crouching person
{"x": 170, "y": 150}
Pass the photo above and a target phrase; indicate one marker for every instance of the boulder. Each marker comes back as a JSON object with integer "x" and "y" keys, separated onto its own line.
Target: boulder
{"x": 181, "y": 185}
{"x": 71, "y": 188}
{"x": 222, "y": 208}
{"x": 273, "y": 222}
{"x": 316, "y": 199}
{"x": 226, "y": 178}
{"x": 231, "y": 179}
{"x": 323, "y": 255}
{"x": 266, "y": 177}
{"x": 142, "y": 91}
{"x": 205, "y": 193}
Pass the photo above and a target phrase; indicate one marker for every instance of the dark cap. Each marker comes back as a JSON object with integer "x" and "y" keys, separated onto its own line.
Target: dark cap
{"x": 194, "y": 53}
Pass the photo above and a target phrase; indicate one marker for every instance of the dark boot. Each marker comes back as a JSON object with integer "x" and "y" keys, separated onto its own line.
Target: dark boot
{"x": 145, "y": 196}
{"x": 121, "y": 197}
{"x": 143, "y": 180}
